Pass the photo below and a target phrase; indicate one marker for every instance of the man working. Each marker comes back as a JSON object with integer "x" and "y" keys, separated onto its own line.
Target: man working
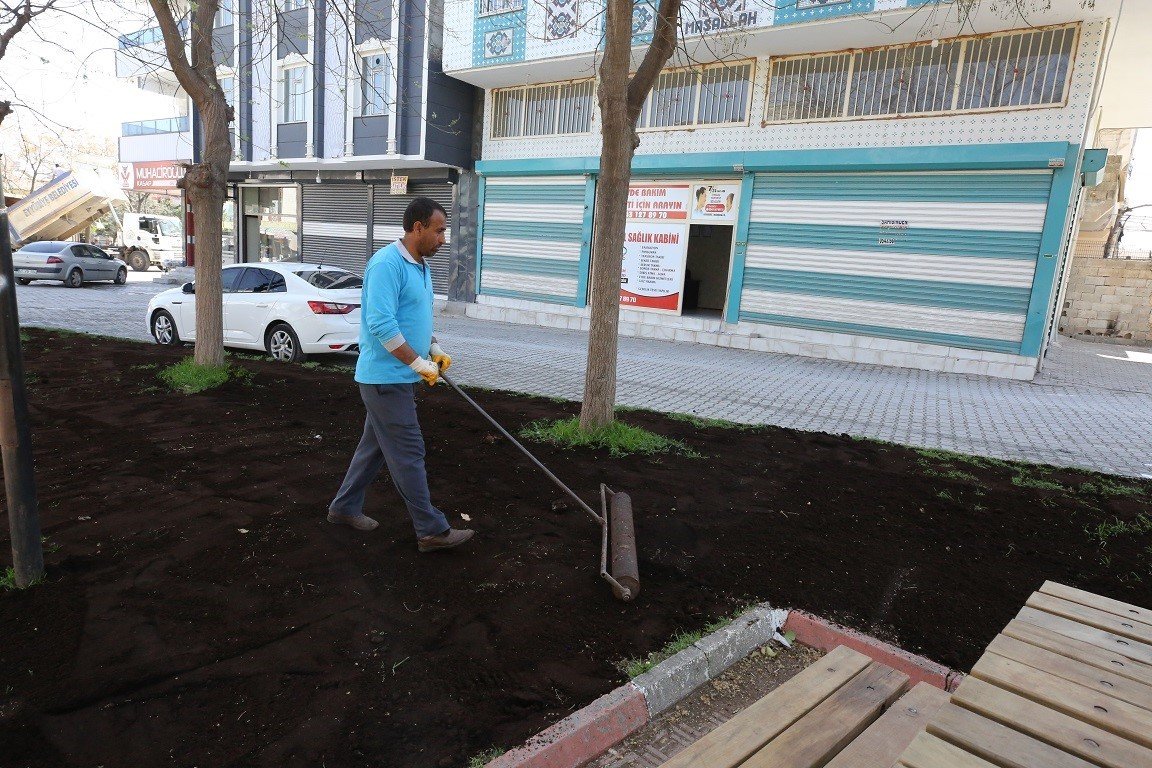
{"x": 396, "y": 320}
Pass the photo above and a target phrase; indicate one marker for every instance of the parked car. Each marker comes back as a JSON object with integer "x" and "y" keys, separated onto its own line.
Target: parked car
{"x": 288, "y": 309}
{"x": 64, "y": 261}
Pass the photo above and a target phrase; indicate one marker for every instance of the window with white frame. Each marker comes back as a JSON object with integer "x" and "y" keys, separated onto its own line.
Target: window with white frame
{"x": 223, "y": 14}
{"x": 293, "y": 5}
{"x": 714, "y": 95}
{"x": 228, "y": 88}
{"x": 1029, "y": 68}
{"x": 374, "y": 80}
{"x": 490, "y": 7}
{"x": 295, "y": 94}
{"x": 542, "y": 110}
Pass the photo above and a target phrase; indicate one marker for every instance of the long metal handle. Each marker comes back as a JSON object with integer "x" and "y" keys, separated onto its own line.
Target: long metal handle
{"x": 525, "y": 451}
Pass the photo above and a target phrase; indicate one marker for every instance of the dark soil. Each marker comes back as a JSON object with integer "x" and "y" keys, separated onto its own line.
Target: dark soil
{"x": 199, "y": 611}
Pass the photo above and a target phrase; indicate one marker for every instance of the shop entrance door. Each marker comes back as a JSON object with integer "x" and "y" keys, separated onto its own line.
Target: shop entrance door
{"x": 707, "y": 270}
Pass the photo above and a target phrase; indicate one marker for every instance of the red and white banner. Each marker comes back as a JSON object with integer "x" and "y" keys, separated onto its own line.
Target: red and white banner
{"x": 664, "y": 202}
{"x": 652, "y": 276}
{"x": 156, "y": 176}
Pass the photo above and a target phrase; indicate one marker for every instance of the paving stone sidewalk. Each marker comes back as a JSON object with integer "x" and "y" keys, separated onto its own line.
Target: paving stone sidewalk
{"x": 1090, "y": 407}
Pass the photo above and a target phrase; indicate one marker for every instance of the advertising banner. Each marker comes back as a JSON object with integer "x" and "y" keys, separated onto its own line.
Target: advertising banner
{"x": 159, "y": 176}
{"x": 667, "y": 202}
{"x": 715, "y": 202}
{"x": 652, "y": 276}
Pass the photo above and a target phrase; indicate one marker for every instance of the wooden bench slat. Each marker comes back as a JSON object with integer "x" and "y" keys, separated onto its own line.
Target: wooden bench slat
{"x": 1081, "y": 651}
{"x": 1106, "y": 683}
{"x": 731, "y": 743}
{"x": 883, "y": 741}
{"x": 1131, "y": 722}
{"x": 821, "y": 734}
{"x": 1067, "y": 733}
{"x": 1097, "y": 601}
{"x": 1124, "y": 646}
{"x": 1093, "y": 617}
{"x": 998, "y": 743}
{"x": 927, "y": 751}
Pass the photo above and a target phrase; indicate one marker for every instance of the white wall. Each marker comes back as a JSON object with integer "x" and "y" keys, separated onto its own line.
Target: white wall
{"x": 1125, "y": 102}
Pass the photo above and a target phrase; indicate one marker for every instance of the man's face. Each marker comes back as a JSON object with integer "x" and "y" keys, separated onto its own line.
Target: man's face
{"x": 430, "y": 236}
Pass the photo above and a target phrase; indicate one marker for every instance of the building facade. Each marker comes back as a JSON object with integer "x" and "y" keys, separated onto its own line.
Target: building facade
{"x": 342, "y": 115}
{"x": 864, "y": 180}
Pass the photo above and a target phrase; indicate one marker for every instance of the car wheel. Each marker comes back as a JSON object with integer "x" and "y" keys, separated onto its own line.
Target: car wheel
{"x": 138, "y": 260}
{"x": 121, "y": 276}
{"x": 283, "y": 344}
{"x": 75, "y": 279}
{"x": 164, "y": 329}
{"x": 22, "y": 281}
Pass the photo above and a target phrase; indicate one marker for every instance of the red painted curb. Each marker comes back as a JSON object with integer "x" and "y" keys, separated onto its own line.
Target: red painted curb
{"x": 582, "y": 735}
{"x": 824, "y": 635}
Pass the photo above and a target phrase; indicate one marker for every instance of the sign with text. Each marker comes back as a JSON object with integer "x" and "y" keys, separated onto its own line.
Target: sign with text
{"x": 399, "y": 185}
{"x": 715, "y": 202}
{"x": 652, "y": 276}
{"x": 667, "y": 202}
{"x": 157, "y": 176}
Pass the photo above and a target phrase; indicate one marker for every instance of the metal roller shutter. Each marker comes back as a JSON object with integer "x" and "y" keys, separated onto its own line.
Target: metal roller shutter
{"x": 944, "y": 258}
{"x": 388, "y": 222}
{"x": 335, "y": 227}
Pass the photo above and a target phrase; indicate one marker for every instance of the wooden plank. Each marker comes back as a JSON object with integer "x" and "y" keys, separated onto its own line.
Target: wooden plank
{"x": 1100, "y": 602}
{"x": 1093, "y": 617}
{"x": 1062, "y": 731}
{"x": 733, "y": 742}
{"x": 998, "y": 743}
{"x": 885, "y": 739}
{"x": 1131, "y": 649}
{"x": 1131, "y": 722}
{"x": 1081, "y": 651}
{"x": 821, "y": 734}
{"x": 1106, "y": 683}
{"x": 927, "y": 751}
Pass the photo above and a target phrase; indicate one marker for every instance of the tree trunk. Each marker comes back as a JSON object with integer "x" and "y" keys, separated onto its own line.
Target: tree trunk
{"x": 618, "y": 143}
{"x": 206, "y": 185}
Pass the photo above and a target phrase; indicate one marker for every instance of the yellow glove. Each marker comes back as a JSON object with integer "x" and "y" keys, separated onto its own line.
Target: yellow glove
{"x": 427, "y": 369}
{"x": 439, "y": 357}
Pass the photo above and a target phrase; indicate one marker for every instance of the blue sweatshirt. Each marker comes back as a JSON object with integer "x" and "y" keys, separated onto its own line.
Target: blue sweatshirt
{"x": 396, "y": 301}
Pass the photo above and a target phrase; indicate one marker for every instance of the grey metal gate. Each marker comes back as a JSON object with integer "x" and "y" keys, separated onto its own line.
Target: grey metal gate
{"x": 335, "y": 226}
{"x": 388, "y": 222}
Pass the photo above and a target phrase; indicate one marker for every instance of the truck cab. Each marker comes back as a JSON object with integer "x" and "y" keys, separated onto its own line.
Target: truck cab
{"x": 148, "y": 239}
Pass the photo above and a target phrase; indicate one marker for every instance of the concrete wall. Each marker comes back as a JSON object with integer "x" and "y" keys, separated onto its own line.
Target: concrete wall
{"x": 1110, "y": 298}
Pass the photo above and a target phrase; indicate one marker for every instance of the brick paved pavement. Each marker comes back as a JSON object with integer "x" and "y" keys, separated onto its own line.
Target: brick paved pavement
{"x": 1087, "y": 408}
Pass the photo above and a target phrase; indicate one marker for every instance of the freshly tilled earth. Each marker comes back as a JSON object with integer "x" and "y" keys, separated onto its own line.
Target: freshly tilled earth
{"x": 199, "y": 611}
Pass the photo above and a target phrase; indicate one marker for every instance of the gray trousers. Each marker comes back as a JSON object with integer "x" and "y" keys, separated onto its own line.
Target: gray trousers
{"x": 391, "y": 436}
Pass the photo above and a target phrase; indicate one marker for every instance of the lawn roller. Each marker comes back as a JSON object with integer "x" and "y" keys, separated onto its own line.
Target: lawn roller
{"x": 615, "y": 519}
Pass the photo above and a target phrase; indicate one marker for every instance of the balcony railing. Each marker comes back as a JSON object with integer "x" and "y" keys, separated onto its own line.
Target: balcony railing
{"x": 152, "y": 127}
{"x": 150, "y": 36}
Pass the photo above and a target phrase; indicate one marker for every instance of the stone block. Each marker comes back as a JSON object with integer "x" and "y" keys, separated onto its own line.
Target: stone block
{"x": 673, "y": 679}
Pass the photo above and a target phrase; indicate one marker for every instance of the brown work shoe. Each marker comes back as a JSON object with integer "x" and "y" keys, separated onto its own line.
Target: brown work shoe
{"x": 360, "y": 522}
{"x": 451, "y": 538}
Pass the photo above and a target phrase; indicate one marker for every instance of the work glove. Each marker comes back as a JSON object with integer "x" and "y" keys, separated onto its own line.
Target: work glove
{"x": 439, "y": 356}
{"x": 427, "y": 369}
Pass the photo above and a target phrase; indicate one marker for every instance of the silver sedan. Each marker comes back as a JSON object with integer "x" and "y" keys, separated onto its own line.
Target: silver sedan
{"x": 70, "y": 263}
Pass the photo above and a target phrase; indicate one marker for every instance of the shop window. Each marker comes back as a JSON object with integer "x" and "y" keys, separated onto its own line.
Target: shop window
{"x": 1003, "y": 71}
{"x": 714, "y": 95}
{"x": 542, "y": 110}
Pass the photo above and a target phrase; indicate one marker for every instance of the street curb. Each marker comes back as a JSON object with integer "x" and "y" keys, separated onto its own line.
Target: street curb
{"x": 824, "y": 635}
{"x": 582, "y": 735}
{"x": 589, "y": 732}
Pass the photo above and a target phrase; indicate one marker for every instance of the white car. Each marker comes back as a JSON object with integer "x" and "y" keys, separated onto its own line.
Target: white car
{"x": 288, "y": 309}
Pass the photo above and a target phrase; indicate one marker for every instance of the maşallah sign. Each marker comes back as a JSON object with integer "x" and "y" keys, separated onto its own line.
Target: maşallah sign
{"x": 159, "y": 176}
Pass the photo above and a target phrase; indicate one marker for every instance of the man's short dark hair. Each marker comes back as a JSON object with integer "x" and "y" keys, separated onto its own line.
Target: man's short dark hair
{"x": 701, "y": 191}
{"x": 420, "y": 210}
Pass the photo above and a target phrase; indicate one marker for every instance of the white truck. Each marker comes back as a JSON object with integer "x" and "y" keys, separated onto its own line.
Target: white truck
{"x": 74, "y": 199}
{"x": 146, "y": 239}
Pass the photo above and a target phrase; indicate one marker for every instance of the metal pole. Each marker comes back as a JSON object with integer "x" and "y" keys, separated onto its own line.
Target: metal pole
{"x": 15, "y": 431}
